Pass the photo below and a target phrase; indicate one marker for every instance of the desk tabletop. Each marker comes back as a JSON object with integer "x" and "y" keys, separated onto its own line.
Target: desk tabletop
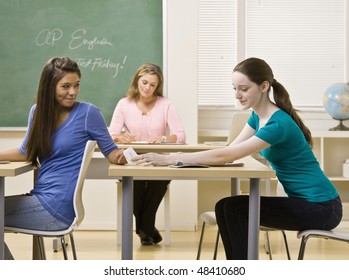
{"x": 251, "y": 169}
{"x": 168, "y": 148}
{"x": 15, "y": 168}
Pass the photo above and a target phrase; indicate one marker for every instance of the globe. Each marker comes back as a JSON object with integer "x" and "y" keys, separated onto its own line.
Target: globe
{"x": 336, "y": 103}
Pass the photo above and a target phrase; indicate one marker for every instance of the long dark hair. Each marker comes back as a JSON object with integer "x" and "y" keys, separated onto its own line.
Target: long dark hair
{"x": 44, "y": 120}
{"x": 258, "y": 71}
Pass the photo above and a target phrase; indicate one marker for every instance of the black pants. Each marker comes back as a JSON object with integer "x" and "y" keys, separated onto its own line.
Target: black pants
{"x": 276, "y": 212}
{"x": 147, "y": 198}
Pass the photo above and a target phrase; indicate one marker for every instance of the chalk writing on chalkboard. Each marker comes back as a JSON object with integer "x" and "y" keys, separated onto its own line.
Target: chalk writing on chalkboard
{"x": 109, "y": 41}
{"x": 79, "y": 39}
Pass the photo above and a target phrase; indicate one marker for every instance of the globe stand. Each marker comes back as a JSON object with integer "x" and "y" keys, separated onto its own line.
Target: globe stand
{"x": 341, "y": 126}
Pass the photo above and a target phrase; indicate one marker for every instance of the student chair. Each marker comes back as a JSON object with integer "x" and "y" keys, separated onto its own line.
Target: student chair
{"x": 78, "y": 208}
{"x": 305, "y": 235}
{"x": 268, "y": 246}
{"x": 209, "y": 218}
{"x": 167, "y": 216}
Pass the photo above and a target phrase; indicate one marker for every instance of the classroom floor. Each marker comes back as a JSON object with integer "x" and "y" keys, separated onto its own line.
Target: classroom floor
{"x": 101, "y": 245}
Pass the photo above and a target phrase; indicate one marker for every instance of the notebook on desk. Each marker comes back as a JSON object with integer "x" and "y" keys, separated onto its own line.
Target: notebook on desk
{"x": 181, "y": 164}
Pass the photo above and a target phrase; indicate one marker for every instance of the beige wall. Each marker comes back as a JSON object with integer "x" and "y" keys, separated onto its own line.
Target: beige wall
{"x": 181, "y": 77}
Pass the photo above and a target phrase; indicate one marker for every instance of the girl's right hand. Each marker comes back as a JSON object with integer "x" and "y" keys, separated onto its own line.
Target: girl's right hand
{"x": 127, "y": 138}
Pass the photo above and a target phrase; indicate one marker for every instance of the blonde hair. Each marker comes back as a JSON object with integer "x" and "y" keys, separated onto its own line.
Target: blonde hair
{"x": 147, "y": 68}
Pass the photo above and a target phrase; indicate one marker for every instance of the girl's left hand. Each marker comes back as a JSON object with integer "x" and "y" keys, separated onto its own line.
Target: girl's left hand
{"x": 154, "y": 140}
{"x": 151, "y": 159}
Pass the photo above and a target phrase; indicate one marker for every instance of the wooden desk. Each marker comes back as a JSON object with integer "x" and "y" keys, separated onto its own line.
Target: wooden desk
{"x": 167, "y": 148}
{"x": 8, "y": 170}
{"x": 99, "y": 165}
{"x": 252, "y": 170}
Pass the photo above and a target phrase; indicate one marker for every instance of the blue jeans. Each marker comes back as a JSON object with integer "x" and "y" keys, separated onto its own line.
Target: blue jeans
{"x": 275, "y": 212}
{"x": 26, "y": 211}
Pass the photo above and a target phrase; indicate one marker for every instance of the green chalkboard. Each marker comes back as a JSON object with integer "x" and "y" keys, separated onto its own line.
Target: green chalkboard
{"x": 109, "y": 39}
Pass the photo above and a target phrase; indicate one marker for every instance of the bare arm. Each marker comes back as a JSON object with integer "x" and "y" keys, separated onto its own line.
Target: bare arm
{"x": 117, "y": 157}
{"x": 12, "y": 155}
{"x": 209, "y": 157}
{"x": 246, "y": 133}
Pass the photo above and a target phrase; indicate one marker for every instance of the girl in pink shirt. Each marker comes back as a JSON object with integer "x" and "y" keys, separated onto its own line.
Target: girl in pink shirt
{"x": 145, "y": 115}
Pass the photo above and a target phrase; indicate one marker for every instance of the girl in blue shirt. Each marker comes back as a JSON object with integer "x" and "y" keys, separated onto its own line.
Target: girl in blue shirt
{"x": 58, "y": 129}
{"x": 276, "y": 131}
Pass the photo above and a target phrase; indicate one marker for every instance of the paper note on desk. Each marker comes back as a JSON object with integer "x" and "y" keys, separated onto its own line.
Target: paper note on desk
{"x": 215, "y": 143}
{"x": 129, "y": 153}
{"x": 139, "y": 142}
{"x": 148, "y": 143}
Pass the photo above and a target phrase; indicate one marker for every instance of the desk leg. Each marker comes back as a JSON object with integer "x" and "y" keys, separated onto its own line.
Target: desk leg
{"x": 235, "y": 186}
{"x": 253, "y": 219}
{"x": 2, "y": 217}
{"x": 127, "y": 218}
{"x": 37, "y": 254}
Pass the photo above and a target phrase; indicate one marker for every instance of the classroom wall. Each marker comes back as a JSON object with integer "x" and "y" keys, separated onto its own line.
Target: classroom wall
{"x": 181, "y": 76}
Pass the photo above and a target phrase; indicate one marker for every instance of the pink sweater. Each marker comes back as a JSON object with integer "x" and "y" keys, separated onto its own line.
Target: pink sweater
{"x": 162, "y": 117}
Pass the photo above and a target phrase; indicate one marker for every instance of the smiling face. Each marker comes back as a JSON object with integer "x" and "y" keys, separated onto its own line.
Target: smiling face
{"x": 248, "y": 93}
{"x": 147, "y": 85}
{"x": 67, "y": 90}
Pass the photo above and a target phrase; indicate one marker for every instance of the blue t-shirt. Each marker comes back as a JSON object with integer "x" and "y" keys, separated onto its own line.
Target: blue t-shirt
{"x": 292, "y": 158}
{"x": 58, "y": 173}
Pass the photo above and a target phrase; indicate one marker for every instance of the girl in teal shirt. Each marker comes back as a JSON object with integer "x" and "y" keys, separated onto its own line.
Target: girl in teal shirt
{"x": 275, "y": 130}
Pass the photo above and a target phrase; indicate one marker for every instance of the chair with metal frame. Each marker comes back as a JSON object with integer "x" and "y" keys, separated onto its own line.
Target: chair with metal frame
{"x": 209, "y": 218}
{"x": 305, "y": 235}
{"x": 78, "y": 208}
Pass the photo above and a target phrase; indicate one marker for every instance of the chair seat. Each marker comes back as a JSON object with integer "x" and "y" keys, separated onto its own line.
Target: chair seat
{"x": 78, "y": 209}
{"x": 326, "y": 234}
{"x": 209, "y": 218}
{"x": 332, "y": 234}
{"x": 41, "y": 232}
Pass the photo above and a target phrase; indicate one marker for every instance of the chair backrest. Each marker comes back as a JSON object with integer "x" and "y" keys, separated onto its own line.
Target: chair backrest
{"x": 238, "y": 122}
{"x": 78, "y": 204}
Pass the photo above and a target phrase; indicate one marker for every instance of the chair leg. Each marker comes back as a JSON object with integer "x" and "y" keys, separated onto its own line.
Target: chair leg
{"x": 42, "y": 247}
{"x": 302, "y": 247}
{"x": 268, "y": 245}
{"x": 200, "y": 242}
{"x": 216, "y": 246}
{"x": 286, "y": 245}
{"x": 55, "y": 244}
{"x": 38, "y": 248}
{"x": 64, "y": 249}
{"x": 73, "y": 245}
